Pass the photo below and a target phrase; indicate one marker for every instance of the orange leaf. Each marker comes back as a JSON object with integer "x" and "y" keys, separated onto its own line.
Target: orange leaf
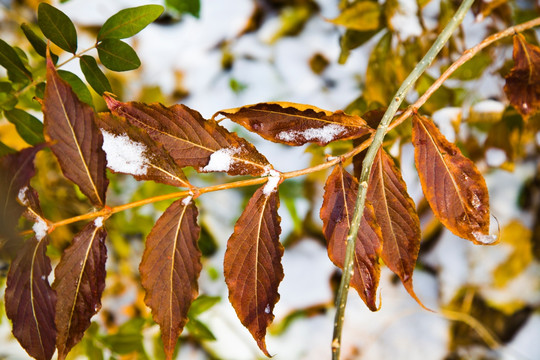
{"x": 252, "y": 265}
{"x": 76, "y": 140}
{"x": 169, "y": 269}
{"x": 192, "y": 140}
{"x": 396, "y": 214}
{"x": 341, "y": 191}
{"x": 523, "y": 82}
{"x": 453, "y": 186}
{"x": 131, "y": 151}
{"x": 30, "y": 301}
{"x": 79, "y": 283}
{"x": 297, "y": 124}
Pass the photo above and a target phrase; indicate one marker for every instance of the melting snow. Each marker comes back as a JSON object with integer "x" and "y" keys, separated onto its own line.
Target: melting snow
{"x": 221, "y": 160}
{"x": 325, "y": 134}
{"x": 484, "y": 239}
{"x": 124, "y": 155}
{"x": 22, "y": 196}
{"x": 187, "y": 200}
{"x": 272, "y": 183}
{"x": 40, "y": 228}
{"x": 98, "y": 222}
{"x": 405, "y": 20}
{"x": 267, "y": 309}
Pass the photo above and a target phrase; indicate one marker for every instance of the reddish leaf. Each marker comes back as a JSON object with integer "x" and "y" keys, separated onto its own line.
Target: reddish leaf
{"x": 341, "y": 191}
{"x": 523, "y": 82}
{"x": 16, "y": 170}
{"x": 191, "y": 140}
{"x": 170, "y": 268}
{"x": 252, "y": 265}
{"x": 30, "y": 301}
{"x": 453, "y": 186}
{"x": 76, "y": 140}
{"x": 79, "y": 283}
{"x": 297, "y": 124}
{"x": 396, "y": 214}
{"x": 131, "y": 151}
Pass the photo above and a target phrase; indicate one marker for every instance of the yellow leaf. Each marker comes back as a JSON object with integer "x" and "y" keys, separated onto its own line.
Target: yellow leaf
{"x": 361, "y": 16}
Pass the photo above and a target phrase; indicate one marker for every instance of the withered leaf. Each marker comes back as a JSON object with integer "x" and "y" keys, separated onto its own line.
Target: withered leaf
{"x": 297, "y": 124}
{"x": 76, "y": 140}
{"x": 170, "y": 268}
{"x": 452, "y": 185}
{"x": 340, "y": 194}
{"x": 192, "y": 140}
{"x": 252, "y": 265}
{"x": 396, "y": 214}
{"x": 79, "y": 283}
{"x": 30, "y": 301}
{"x": 523, "y": 82}
{"x": 131, "y": 151}
{"x": 16, "y": 170}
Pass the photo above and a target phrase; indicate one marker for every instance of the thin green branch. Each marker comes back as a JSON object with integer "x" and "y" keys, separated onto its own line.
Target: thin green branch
{"x": 341, "y": 300}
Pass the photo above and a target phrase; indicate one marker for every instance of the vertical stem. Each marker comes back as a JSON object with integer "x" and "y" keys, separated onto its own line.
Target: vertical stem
{"x": 341, "y": 300}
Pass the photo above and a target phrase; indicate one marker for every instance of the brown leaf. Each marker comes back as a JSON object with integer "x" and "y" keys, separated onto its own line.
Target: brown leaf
{"x": 523, "y": 82}
{"x": 340, "y": 194}
{"x": 297, "y": 124}
{"x": 131, "y": 151}
{"x": 396, "y": 214}
{"x": 79, "y": 283}
{"x": 76, "y": 140}
{"x": 16, "y": 170}
{"x": 252, "y": 265}
{"x": 30, "y": 301}
{"x": 192, "y": 140}
{"x": 170, "y": 268}
{"x": 453, "y": 186}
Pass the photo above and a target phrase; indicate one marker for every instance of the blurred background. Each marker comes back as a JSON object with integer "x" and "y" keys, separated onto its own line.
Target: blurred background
{"x": 213, "y": 55}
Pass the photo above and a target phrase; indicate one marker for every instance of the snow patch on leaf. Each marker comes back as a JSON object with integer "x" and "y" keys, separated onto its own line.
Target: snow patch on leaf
{"x": 124, "y": 155}
{"x": 22, "y": 196}
{"x": 221, "y": 160}
{"x": 272, "y": 183}
{"x": 325, "y": 134}
{"x": 98, "y": 222}
{"x": 40, "y": 228}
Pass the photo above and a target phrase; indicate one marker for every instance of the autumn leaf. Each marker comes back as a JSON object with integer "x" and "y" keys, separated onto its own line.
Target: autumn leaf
{"x": 523, "y": 82}
{"x": 453, "y": 186}
{"x": 76, "y": 140}
{"x": 170, "y": 268}
{"x": 297, "y": 124}
{"x": 396, "y": 214}
{"x": 252, "y": 265}
{"x": 16, "y": 170}
{"x": 30, "y": 301}
{"x": 79, "y": 283}
{"x": 192, "y": 140}
{"x": 341, "y": 191}
{"x": 131, "y": 151}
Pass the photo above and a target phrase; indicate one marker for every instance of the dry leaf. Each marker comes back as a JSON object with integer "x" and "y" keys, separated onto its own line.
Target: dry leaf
{"x": 170, "y": 268}
{"x": 341, "y": 191}
{"x": 252, "y": 265}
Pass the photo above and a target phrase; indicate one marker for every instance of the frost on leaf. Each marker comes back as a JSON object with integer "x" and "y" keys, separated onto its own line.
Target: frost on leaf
{"x": 523, "y": 82}
{"x": 191, "y": 140}
{"x": 453, "y": 186}
{"x": 297, "y": 124}
{"x": 340, "y": 194}
{"x": 79, "y": 283}
{"x": 170, "y": 268}
{"x": 76, "y": 141}
{"x": 30, "y": 301}
{"x": 131, "y": 151}
{"x": 252, "y": 264}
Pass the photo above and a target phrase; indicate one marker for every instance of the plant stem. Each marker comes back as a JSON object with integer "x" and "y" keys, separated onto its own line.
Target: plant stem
{"x": 341, "y": 300}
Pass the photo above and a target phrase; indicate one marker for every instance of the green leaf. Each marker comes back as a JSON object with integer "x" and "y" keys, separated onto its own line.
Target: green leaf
{"x": 93, "y": 74}
{"x": 198, "y": 330}
{"x": 117, "y": 55}
{"x": 353, "y": 39}
{"x": 5, "y": 150}
{"x": 37, "y": 42}
{"x": 57, "y": 27}
{"x": 29, "y": 127}
{"x": 201, "y": 304}
{"x": 9, "y": 59}
{"x": 7, "y": 101}
{"x": 40, "y": 90}
{"x": 5, "y": 86}
{"x": 192, "y": 7}
{"x": 473, "y": 68}
{"x": 361, "y": 16}
{"x": 77, "y": 86}
{"x": 128, "y": 22}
